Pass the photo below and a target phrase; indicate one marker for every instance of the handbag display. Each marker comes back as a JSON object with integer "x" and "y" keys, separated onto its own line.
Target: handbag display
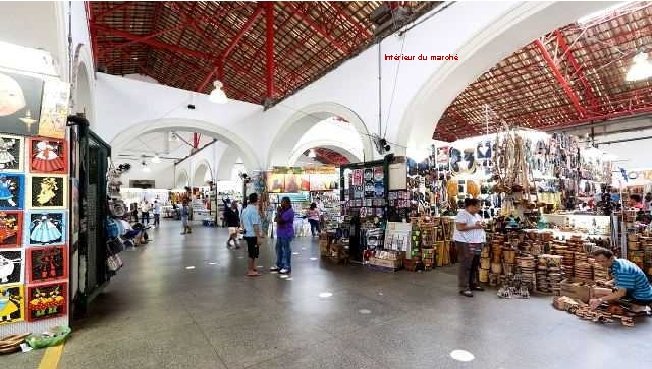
{"x": 115, "y": 245}
{"x": 114, "y": 263}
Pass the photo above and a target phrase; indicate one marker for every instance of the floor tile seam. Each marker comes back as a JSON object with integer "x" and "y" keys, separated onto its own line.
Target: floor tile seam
{"x": 296, "y": 349}
{"x": 203, "y": 333}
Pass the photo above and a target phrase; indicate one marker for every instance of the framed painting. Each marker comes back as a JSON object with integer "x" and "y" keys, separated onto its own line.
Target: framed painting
{"x": 47, "y": 155}
{"x": 11, "y": 266}
{"x": 11, "y": 229}
{"x": 20, "y": 103}
{"x": 11, "y": 153}
{"x": 11, "y": 303}
{"x": 54, "y": 111}
{"x": 46, "y": 301}
{"x": 12, "y": 191}
{"x": 49, "y": 192}
{"x": 45, "y": 228}
{"x": 46, "y": 264}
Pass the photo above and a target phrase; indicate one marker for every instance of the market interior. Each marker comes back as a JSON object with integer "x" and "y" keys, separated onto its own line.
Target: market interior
{"x": 445, "y": 200}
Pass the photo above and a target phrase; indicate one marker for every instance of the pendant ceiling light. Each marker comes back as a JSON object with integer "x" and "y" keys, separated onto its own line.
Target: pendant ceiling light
{"x": 156, "y": 159}
{"x": 640, "y": 69}
{"x": 312, "y": 153}
{"x": 218, "y": 96}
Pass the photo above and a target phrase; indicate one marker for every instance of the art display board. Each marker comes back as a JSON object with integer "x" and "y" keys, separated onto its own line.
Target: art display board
{"x": 34, "y": 162}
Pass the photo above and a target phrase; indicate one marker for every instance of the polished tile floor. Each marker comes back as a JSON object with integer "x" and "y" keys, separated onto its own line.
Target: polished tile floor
{"x": 184, "y": 302}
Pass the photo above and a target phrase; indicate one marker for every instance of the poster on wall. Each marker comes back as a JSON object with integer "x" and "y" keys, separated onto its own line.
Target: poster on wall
{"x": 305, "y": 182}
{"x": 47, "y": 155}
{"x": 46, "y": 264}
{"x": 292, "y": 183}
{"x": 12, "y": 191}
{"x": 47, "y": 192}
{"x": 11, "y": 303}
{"x": 11, "y": 229}
{"x": 46, "y": 301}
{"x": 45, "y": 228}
{"x": 55, "y": 109}
{"x": 276, "y": 183}
{"x": 11, "y": 266}
{"x": 20, "y": 103}
{"x": 11, "y": 153}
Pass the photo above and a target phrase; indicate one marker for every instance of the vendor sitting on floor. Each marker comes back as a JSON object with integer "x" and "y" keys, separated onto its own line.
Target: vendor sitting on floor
{"x": 628, "y": 279}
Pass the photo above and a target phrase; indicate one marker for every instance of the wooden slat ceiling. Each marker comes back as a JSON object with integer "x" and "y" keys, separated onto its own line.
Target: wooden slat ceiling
{"x": 180, "y": 44}
{"x": 592, "y": 60}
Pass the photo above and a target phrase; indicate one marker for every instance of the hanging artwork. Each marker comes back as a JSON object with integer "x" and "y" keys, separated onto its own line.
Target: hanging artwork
{"x": 292, "y": 183}
{"x": 47, "y": 155}
{"x": 55, "y": 109}
{"x": 11, "y": 303}
{"x": 47, "y": 192}
{"x": 20, "y": 103}
{"x": 45, "y": 228}
{"x": 11, "y": 226}
{"x": 276, "y": 183}
{"x": 46, "y": 263}
{"x": 46, "y": 301}
{"x": 12, "y": 191}
{"x": 11, "y": 153}
{"x": 11, "y": 266}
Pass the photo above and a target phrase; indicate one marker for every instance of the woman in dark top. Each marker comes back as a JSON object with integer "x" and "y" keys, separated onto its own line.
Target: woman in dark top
{"x": 233, "y": 222}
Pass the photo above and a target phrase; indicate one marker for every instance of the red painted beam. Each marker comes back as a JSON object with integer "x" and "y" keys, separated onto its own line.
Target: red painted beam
{"x": 113, "y": 9}
{"x": 94, "y": 42}
{"x": 588, "y": 91}
{"x": 572, "y": 96}
{"x": 151, "y": 42}
{"x": 220, "y": 62}
{"x": 316, "y": 28}
{"x": 269, "y": 47}
{"x": 147, "y": 37}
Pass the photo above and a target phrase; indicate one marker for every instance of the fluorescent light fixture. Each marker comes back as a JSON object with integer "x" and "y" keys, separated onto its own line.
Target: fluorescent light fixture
{"x": 600, "y": 13}
{"x": 312, "y": 153}
{"x": 156, "y": 159}
{"x": 218, "y": 96}
{"x": 641, "y": 68}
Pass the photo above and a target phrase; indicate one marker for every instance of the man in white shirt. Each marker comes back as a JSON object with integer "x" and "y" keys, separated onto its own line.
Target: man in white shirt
{"x": 145, "y": 207}
{"x": 469, "y": 236}
{"x": 157, "y": 214}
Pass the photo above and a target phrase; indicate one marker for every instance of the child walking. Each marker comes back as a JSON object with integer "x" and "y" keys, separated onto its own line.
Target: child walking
{"x": 185, "y": 212}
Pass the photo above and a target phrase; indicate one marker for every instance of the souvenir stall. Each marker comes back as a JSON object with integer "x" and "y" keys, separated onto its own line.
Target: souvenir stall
{"x": 303, "y": 186}
{"x": 34, "y": 197}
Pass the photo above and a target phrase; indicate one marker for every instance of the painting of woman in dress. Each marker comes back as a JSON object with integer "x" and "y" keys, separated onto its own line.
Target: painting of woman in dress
{"x": 20, "y": 103}
{"x": 46, "y": 228}
{"x": 48, "y": 192}
{"x": 11, "y": 224}
{"x": 11, "y": 153}
{"x": 11, "y": 191}
{"x": 46, "y": 263}
{"x": 11, "y": 303}
{"x": 47, "y": 156}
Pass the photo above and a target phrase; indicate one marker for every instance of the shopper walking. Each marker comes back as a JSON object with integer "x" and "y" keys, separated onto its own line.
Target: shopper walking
{"x": 469, "y": 237}
{"x": 145, "y": 208}
{"x": 232, "y": 218}
{"x": 157, "y": 214}
{"x": 313, "y": 218}
{"x": 284, "y": 234}
{"x": 185, "y": 213}
{"x": 253, "y": 233}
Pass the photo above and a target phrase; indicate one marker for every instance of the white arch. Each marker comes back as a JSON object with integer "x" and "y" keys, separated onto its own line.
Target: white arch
{"x": 523, "y": 23}
{"x": 300, "y": 122}
{"x": 200, "y": 171}
{"x": 83, "y": 90}
{"x": 185, "y": 124}
{"x": 298, "y": 151}
{"x": 227, "y": 161}
{"x": 182, "y": 179}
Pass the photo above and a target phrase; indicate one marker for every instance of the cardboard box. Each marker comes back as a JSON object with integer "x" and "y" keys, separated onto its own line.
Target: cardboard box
{"x": 385, "y": 263}
{"x": 570, "y": 288}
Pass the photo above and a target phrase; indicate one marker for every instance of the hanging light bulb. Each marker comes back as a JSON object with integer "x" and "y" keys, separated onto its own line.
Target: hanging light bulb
{"x": 641, "y": 68}
{"x": 218, "y": 96}
{"x": 156, "y": 159}
{"x": 312, "y": 153}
